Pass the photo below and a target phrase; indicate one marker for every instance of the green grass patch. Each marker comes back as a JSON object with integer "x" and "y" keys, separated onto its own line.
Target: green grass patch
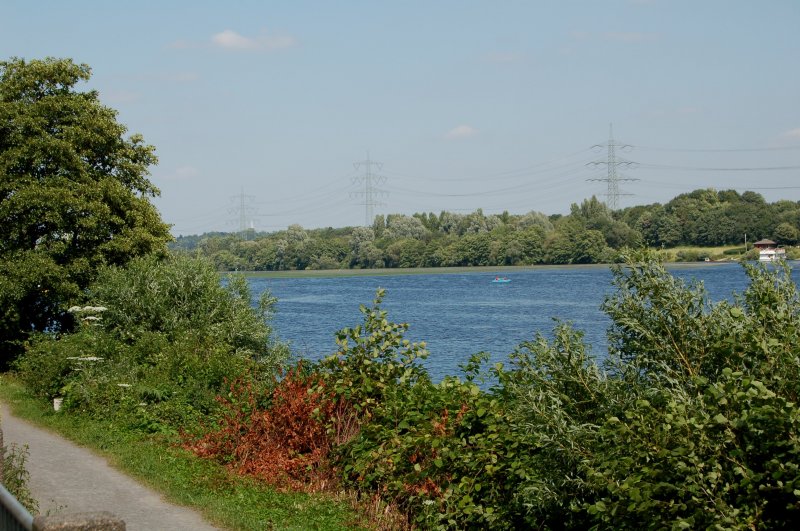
{"x": 712, "y": 250}
{"x": 689, "y": 253}
{"x": 223, "y": 498}
{"x": 734, "y": 251}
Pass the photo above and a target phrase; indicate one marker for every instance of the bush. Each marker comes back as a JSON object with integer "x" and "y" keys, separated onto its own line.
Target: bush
{"x": 693, "y": 422}
{"x": 442, "y": 452}
{"x": 284, "y": 442}
{"x": 179, "y": 295}
{"x": 158, "y": 346}
{"x": 721, "y": 455}
{"x": 691, "y": 255}
{"x": 558, "y": 395}
{"x": 374, "y": 361}
{"x": 445, "y": 454}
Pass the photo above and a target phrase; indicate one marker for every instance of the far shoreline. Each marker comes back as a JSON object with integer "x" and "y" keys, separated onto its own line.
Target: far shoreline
{"x": 406, "y": 271}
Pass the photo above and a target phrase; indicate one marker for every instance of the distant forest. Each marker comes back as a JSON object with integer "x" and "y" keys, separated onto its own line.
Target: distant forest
{"x": 590, "y": 233}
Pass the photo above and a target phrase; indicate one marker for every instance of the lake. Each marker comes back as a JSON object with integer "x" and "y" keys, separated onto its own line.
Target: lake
{"x": 459, "y": 314}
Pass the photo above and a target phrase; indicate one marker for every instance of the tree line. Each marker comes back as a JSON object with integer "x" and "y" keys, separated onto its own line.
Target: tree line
{"x": 590, "y": 233}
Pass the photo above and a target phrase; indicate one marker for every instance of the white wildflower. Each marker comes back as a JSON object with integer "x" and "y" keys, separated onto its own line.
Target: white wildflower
{"x": 82, "y": 309}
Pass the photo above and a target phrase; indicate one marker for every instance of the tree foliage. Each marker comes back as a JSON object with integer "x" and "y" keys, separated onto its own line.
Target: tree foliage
{"x": 73, "y": 195}
{"x": 591, "y": 233}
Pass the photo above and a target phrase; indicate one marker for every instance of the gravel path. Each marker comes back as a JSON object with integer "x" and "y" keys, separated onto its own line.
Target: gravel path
{"x": 66, "y": 478}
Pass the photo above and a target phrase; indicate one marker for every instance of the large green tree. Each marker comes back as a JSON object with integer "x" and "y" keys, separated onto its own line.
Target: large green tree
{"x": 74, "y": 195}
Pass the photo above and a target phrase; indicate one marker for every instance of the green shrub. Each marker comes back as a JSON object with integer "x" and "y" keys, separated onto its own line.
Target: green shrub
{"x": 182, "y": 294}
{"x": 15, "y": 476}
{"x": 374, "y": 361}
{"x": 558, "y": 396}
{"x": 691, "y": 255}
{"x": 158, "y": 347}
{"x": 751, "y": 255}
{"x": 45, "y": 367}
{"x": 442, "y": 452}
{"x": 722, "y": 455}
{"x": 693, "y": 422}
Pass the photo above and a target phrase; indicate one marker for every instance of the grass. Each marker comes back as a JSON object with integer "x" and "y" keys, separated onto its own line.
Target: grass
{"x": 717, "y": 251}
{"x": 224, "y": 499}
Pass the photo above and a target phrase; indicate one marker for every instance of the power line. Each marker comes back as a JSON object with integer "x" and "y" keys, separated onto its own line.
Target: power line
{"x": 307, "y": 208}
{"x": 613, "y": 178}
{"x": 557, "y": 182}
{"x": 323, "y": 191}
{"x": 717, "y": 150}
{"x": 532, "y": 169}
{"x": 701, "y": 168}
{"x": 370, "y": 193}
{"x": 204, "y": 215}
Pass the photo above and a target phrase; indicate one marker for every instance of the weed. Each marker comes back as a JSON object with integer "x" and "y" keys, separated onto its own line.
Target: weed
{"x": 15, "y": 475}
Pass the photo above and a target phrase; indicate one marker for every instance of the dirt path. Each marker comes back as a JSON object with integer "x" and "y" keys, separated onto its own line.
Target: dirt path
{"x": 66, "y": 478}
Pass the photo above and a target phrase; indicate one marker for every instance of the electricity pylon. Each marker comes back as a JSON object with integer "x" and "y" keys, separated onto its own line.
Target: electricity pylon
{"x": 242, "y": 210}
{"x": 370, "y": 194}
{"x": 613, "y": 162}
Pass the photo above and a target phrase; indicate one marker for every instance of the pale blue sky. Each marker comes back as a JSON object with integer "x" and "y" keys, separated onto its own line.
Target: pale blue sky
{"x": 467, "y": 104}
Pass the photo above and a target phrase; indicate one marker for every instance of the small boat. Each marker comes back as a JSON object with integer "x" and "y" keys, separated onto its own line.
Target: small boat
{"x": 501, "y": 280}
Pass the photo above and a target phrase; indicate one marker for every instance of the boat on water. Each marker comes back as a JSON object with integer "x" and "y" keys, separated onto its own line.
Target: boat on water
{"x": 501, "y": 280}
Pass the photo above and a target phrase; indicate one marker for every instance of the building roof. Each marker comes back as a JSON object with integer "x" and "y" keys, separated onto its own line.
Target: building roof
{"x": 764, "y": 242}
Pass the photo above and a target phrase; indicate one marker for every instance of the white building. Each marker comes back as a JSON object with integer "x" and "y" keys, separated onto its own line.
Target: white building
{"x": 768, "y": 251}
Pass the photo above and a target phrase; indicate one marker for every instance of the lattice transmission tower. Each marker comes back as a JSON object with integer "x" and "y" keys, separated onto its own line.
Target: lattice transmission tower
{"x": 371, "y": 193}
{"x": 613, "y": 162}
{"x": 243, "y": 209}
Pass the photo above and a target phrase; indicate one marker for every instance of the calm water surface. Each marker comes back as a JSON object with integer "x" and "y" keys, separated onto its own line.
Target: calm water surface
{"x": 459, "y": 314}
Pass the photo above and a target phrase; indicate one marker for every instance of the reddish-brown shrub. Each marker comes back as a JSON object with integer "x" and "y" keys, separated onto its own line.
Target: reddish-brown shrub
{"x": 287, "y": 443}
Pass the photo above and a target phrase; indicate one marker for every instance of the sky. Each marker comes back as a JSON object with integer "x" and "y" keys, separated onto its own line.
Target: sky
{"x": 265, "y": 113}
